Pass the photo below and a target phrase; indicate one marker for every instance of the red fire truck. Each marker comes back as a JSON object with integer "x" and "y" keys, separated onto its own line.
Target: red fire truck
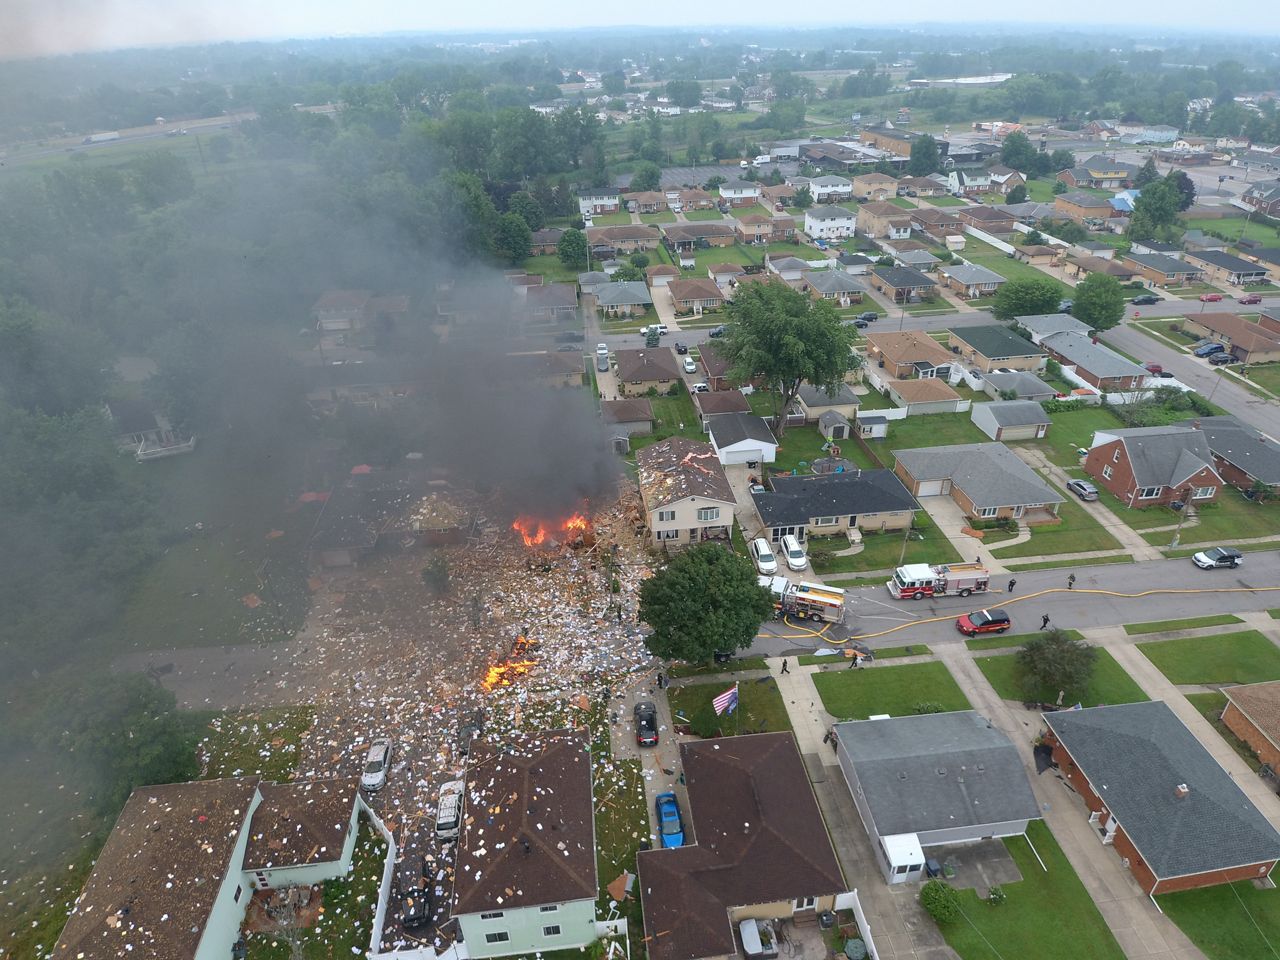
{"x": 916, "y": 581}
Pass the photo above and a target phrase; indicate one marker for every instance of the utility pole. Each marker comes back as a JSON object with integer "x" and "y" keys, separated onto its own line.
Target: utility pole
{"x": 1182, "y": 518}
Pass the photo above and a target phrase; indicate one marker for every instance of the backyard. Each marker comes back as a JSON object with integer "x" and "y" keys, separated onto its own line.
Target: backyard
{"x": 1228, "y": 922}
{"x": 985, "y": 255}
{"x": 1243, "y": 657}
{"x": 927, "y": 430}
{"x": 760, "y": 706}
{"x": 897, "y": 690}
{"x": 1073, "y": 430}
{"x": 1109, "y": 684}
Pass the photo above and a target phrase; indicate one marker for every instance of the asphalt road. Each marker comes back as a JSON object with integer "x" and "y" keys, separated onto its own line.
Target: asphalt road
{"x": 880, "y": 621}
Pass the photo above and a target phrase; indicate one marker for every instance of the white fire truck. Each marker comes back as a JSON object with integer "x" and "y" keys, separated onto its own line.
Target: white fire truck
{"x": 916, "y": 581}
{"x": 812, "y": 600}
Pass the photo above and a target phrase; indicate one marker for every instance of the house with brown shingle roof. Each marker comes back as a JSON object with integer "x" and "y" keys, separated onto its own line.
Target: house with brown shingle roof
{"x": 882, "y": 219}
{"x": 714, "y": 402}
{"x": 661, "y": 274}
{"x": 695, "y": 296}
{"x": 1252, "y": 713}
{"x": 627, "y": 236}
{"x": 525, "y": 874}
{"x": 908, "y": 355}
{"x": 686, "y": 494}
{"x": 631, "y": 417}
{"x": 638, "y": 371}
{"x": 924, "y": 396}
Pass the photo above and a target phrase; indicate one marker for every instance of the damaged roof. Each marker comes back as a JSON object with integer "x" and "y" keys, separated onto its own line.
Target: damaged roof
{"x": 301, "y": 823}
{"x": 678, "y": 468}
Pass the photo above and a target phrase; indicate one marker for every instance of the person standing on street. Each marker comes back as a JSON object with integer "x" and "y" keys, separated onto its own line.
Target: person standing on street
{"x": 1012, "y": 584}
{"x": 1071, "y": 582}
{"x": 1044, "y": 621}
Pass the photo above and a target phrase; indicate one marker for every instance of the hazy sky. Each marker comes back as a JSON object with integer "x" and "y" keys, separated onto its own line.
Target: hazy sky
{"x": 34, "y": 27}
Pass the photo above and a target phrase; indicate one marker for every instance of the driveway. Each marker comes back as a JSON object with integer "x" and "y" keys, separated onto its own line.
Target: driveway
{"x": 951, "y": 520}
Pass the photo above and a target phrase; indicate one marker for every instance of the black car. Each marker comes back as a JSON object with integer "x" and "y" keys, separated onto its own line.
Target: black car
{"x": 646, "y": 715}
{"x": 1222, "y": 359}
{"x": 861, "y": 324}
{"x": 870, "y": 316}
{"x": 567, "y": 348}
{"x": 569, "y": 336}
{"x": 682, "y": 348}
{"x": 1145, "y": 300}
{"x": 468, "y": 730}
{"x": 416, "y": 906}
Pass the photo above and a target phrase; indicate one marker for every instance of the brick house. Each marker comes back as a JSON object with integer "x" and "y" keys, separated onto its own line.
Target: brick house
{"x": 883, "y": 220}
{"x": 994, "y": 346}
{"x": 1094, "y": 363}
{"x": 1264, "y": 197}
{"x": 1246, "y": 341}
{"x": 1253, "y": 714}
{"x": 715, "y": 366}
{"x": 638, "y": 371}
{"x": 695, "y": 296}
{"x": 988, "y": 218}
{"x": 1222, "y": 267}
{"x": 645, "y": 201}
{"x": 908, "y": 354}
{"x": 1157, "y": 796}
{"x": 1004, "y": 179}
{"x": 1100, "y": 173}
{"x": 544, "y": 241}
{"x": 683, "y": 237}
{"x": 1150, "y": 466}
{"x": 937, "y": 223}
{"x": 1161, "y": 270}
{"x": 753, "y": 228}
{"x": 903, "y": 284}
{"x": 629, "y": 237}
{"x": 874, "y": 186}
{"x": 1242, "y": 456}
{"x": 969, "y": 281}
{"x": 1080, "y": 206}
{"x": 987, "y": 481}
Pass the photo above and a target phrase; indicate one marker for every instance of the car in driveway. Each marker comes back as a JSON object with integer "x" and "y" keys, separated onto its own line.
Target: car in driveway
{"x": 716, "y": 331}
{"x": 700, "y": 387}
{"x": 602, "y": 349}
{"x": 1209, "y": 349}
{"x": 1249, "y": 298}
{"x": 993, "y": 620}
{"x": 646, "y": 716}
{"x": 670, "y": 826}
{"x": 1210, "y": 297}
{"x": 602, "y": 362}
{"x": 1083, "y": 489}
{"x": 762, "y": 555}
{"x": 690, "y": 365}
{"x": 1145, "y": 300}
{"x": 415, "y": 891}
{"x": 682, "y": 348}
{"x": 376, "y": 764}
{"x": 1222, "y": 359}
{"x": 1218, "y": 557}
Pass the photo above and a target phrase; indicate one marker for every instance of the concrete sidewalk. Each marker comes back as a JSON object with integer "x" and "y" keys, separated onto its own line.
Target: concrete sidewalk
{"x": 946, "y": 513}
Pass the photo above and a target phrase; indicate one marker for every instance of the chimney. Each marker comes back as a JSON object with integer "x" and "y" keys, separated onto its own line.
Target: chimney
{"x": 1181, "y": 791}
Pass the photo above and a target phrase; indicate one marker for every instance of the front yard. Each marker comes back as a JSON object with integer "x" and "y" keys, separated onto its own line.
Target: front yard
{"x": 1078, "y": 532}
{"x": 944, "y": 201}
{"x": 1232, "y": 517}
{"x": 1243, "y": 657}
{"x": 760, "y": 706}
{"x": 672, "y": 416}
{"x": 927, "y": 430}
{"x": 1109, "y": 684}
{"x": 696, "y": 215}
{"x": 863, "y": 692}
{"x": 985, "y": 255}
{"x": 881, "y": 551}
{"x": 1229, "y": 922}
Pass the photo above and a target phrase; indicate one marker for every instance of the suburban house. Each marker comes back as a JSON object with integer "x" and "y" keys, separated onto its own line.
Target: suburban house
{"x": 1079, "y": 266}
{"x": 1222, "y": 267}
{"x": 623, "y": 298}
{"x": 1252, "y": 713}
{"x": 362, "y": 509}
{"x": 986, "y": 480}
{"x": 627, "y": 237}
{"x": 740, "y": 193}
{"x": 1264, "y": 197}
{"x": 1161, "y": 270}
{"x": 526, "y": 873}
{"x": 938, "y": 223}
{"x": 832, "y": 504}
{"x": 1041, "y": 325}
{"x": 1080, "y": 206}
{"x": 1194, "y": 240}
{"x": 661, "y": 274}
{"x": 340, "y": 310}
{"x": 687, "y": 498}
{"x": 639, "y": 371}
{"x": 988, "y": 218}
{"x": 136, "y": 425}
{"x": 714, "y": 365}
{"x": 1095, "y": 364}
{"x": 1025, "y": 385}
{"x": 762, "y": 852}
{"x": 544, "y": 242}
{"x": 148, "y": 889}
{"x": 1269, "y": 259}
{"x": 1004, "y": 179}
{"x": 1154, "y": 466}
{"x": 789, "y": 269}
{"x": 969, "y": 281}
{"x": 645, "y": 201}
{"x": 921, "y": 260}
{"x": 695, "y": 296}
{"x": 1011, "y": 419}
{"x": 921, "y": 187}
{"x": 815, "y": 401}
{"x": 855, "y": 264}
{"x": 628, "y": 418}
{"x": 966, "y": 183}
{"x": 1157, "y": 796}
{"x": 742, "y": 438}
{"x": 1242, "y": 456}
{"x": 835, "y": 285}
{"x": 929, "y": 780}
{"x": 715, "y": 402}
{"x": 683, "y": 237}
{"x": 874, "y": 186}
{"x": 1099, "y": 173}
{"x": 778, "y": 195}
{"x": 592, "y": 282}
{"x": 1036, "y": 254}
{"x": 910, "y": 354}
{"x": 993, "y": 346}
{"x": 931, "y": 395}
{"x": 829, "y": 222}
{"x": 1147, "y": 246}
{"x": 724, "y": 274}
{"x": 551, "y": 301}
{"x": 832, "y": 189}
{"x": 599, "y": 200}
{"x": 1246, "y": 341}
{"x": 884, "y": 220}
{"x": 903, "y": 284}
{"x": 695, "y": 199}
{"x": 753, "y": 228}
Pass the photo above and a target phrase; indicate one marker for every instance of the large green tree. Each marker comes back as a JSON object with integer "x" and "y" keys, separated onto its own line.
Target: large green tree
{"x": 1155, "y": 211}
{"x": 1026, "y": 297}
{"x": 1185, "y": 186}
{"x": 1098, "y": 301}
{"x": 1018, "y": 152}
{"x": 1147, "y": 173}
{"x": 787, "y": 339}
{"x": 512, "y": 240}
{"x": 1053, "y": 662}
{"x": 925, "y": 157}
{"x": 572, "y": 248}
{"x": 705, "y": 600}
{"x": 528, "y": 209}
{"x": 647, "y": 176}
{"x": 1017, "y": 195}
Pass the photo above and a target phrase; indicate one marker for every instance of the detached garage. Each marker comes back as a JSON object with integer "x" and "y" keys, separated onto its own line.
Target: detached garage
{"x": 930, "y": 395}
{"x": 1011, "y": 419}
{"x": 742, "y": 438}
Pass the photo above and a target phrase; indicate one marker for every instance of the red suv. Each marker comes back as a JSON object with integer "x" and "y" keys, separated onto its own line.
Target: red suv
{"x": 994, "y": 620}
{"x": 1249, "y": 298}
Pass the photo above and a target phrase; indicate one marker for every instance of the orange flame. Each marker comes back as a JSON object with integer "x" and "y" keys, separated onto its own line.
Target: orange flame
{"x": 502, "y": 674}
{"x": 576, "y": 522}
{"x": 530, "y": 529}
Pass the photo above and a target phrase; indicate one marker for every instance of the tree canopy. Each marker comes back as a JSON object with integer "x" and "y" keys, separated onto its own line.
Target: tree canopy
{"x": 1098, "y": 301}
{"x": 1147, "y": 173}
{"x": 572, "y": 248}
{"x": 705, "y": 600}
{"x": 1018, "y": 152}
{"x": 787, "y": 339}
{"x": 1017, "y": 195}
{"x": 1053, "y": 662}
{"x": 1026, "y": 297}
{"x": 925, "y": 157}
{"x": 648, "y": 176}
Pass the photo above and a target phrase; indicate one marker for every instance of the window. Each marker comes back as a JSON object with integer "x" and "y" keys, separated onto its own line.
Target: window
{"x": 668, "y": 534}
{"x": 551, "y": 909}
{"x": 236, "y": 898}
{"x": 498, "y": 936}
{"x": 1107, "y": 472}
{"x": 709, "y": 513}
{"x": 1200, "y": 493}
{"x": 491, "y": 916}
{"x": 902, "y": 868}
{"x": 1149, "y": 493}
{"x": 666, "y": 516}
{"x": 1115, "y": 457}
{"x": 825, "y": 521}
{"x": 988, "y": 512}
{"x": 551, "y": 931}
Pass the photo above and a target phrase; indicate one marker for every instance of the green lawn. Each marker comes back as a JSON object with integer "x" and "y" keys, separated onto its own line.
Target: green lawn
{"x": 710, "y": 669}
{"x": 861, "y": 693}
{"x": 760, "y": 706}
{"x": 1234, "y": 227}
{"x": 1243, "y": 657}
{"x": 1189, "y": 623}
{"x": 927, "y": 430}
{"x": 1048, "y": 914}
{"x": 803, "y": 444}
{"x": 903, "y": 202}
{"x": 1041, "y": 191}
{"x": 663, "y": 216}
{"x": 1078, "y": 532}
{"x": 883, "y": 653}
{"x": 1232, "y": 517}
{"x": 621, "y": 218}
{"x": 985, "y": 255}
{"x": 1229, "y": 922}
{"x": 1266, "y": 375}
{"x": 669, "y": 414}
{"x": 703, "y": 215}
{"x": 881, "y": 551}
{"x": 1211, "y": 706}
{"x": 1109, "y": 685}
{"x": 549, "y": 267}
{"x": 260, "y": 743}
{"x": 1072, "y": 430}
{"x": 945, "y": 201}
{"x": 1053, "y": 564}
{"x": 1017, "y": 640}
{"x": 734, "y": 254}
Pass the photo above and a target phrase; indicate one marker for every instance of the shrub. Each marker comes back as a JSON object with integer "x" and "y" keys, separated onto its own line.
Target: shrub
{"x": 940, "y": 901}
{"x": 928, "y": 706}
{"x": 996, "y": 895}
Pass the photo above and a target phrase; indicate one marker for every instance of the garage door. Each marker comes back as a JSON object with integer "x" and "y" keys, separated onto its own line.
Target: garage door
{"x": 930, "y": 488}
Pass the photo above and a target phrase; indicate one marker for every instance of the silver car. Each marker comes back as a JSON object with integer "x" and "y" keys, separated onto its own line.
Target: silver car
{"x": 376, "y": 764}
{"x": 1083, "y": 489}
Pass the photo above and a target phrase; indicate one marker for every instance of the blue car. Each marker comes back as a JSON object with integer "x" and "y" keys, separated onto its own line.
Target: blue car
{"x": 670, "y": 827}
{"x": 1209, "y": 349}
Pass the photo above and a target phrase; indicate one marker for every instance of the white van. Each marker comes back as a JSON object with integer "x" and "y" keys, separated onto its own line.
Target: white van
{"x": 793, "y": 550}
{"x": 761, "y": 160}
{"x": 449, "y": 810}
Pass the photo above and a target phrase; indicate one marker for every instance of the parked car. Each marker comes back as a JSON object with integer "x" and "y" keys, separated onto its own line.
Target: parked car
{"x": 1145, "y": 300}
{"x": 567, "y": 348}
{"x": 1249, "y": 298}
{"x": 376, "y": 764}
{"x": 682, "y": 348}
{"x": 762, "y": 555}
{"x": 700, "y": 388}
{"x": 690, "y": 365}
{"x": 602, "y": 363}
{"x": 1209, "y": 349}
{"x": 1083, "y": 489}
{"x": 1064, "y": 306}
{"x": 793, "y": 552}
{"x": 1210, "y": 297}
{"x": 449, "y": 805}
{"x": 646, "y": 715}
{"x": 1222, "y": 359}
{"x": 602, "y": 349}
{"x": 861, "y": 324}
{"x": 670, "y": 827}
{"x": 659, "y": 328}
{"x": 716, "y": 331}
{"x": 570, "y": 336}
{"x": 415, "y": 891}
{"x": 870, "y": 316}
{"x": 1218, "y": 557}
{"x": 994, "y": 620}
{"x": 1153, "y": 368}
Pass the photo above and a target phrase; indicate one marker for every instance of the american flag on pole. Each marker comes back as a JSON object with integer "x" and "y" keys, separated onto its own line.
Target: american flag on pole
{"x": 727, "y": 701}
